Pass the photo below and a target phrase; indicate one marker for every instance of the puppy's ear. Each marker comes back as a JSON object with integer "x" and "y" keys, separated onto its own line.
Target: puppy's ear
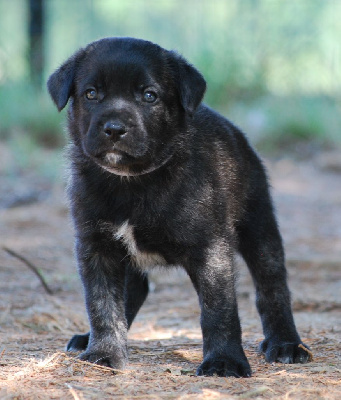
{"x": 61, "y": 82}
{"x": 191, "y": 85}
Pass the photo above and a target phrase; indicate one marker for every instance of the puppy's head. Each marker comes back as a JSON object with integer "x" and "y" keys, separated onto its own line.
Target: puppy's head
{"x": 130, "y": 100}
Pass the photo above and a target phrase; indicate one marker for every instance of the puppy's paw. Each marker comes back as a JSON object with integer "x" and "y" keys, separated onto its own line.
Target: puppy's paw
{"x": 284, "y": 352}
{"x": 78, "y": 342}
{"x": 225, "y": 366}
{"x": 102, "y": 358}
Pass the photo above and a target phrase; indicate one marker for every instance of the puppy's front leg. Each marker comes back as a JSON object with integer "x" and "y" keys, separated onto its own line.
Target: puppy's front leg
{"x": 103, "y": 275}
{"x": 213, "y": 277}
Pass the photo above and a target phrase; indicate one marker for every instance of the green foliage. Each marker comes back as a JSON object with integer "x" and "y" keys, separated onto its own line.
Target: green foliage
{"x": 26, "y": 111}
{"x": 281, "y": 121}
{"x": 273, "y": 67}
{"x": 303, "y": 118}
{"x": 28, "y": 155}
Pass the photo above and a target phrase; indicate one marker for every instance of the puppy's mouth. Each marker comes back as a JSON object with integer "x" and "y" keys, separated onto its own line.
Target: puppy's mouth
{"x": 114, "y": 157}
{"x": 121, "y": 163}
{"x": 118, "y": 159}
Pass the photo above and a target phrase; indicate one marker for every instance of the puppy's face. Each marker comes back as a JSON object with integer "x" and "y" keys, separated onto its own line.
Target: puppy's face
{"x": 130, "y": 101}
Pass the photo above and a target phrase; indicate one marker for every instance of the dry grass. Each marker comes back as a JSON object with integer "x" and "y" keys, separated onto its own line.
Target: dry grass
{"x": 162, "y": 373}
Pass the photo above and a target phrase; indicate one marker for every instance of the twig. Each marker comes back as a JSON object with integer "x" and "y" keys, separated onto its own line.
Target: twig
{"x": 98, "y": 366}
{"x": 32, "y": 267}
{"x": 311, "y": 357}
{"x": 73, "y": 392}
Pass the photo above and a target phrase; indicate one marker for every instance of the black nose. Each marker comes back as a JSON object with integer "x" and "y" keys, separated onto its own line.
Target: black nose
{"x": 114, "y": 130}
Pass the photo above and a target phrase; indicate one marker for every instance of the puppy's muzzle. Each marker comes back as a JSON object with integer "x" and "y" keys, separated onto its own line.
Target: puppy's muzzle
{"x": 114, "y": 130}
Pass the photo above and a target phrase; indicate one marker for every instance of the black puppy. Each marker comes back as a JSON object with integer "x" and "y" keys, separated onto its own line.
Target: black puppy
{"x": 158, "y": 179}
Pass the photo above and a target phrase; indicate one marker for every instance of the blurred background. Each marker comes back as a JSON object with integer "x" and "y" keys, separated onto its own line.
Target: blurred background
{"x": 272, "y": 66}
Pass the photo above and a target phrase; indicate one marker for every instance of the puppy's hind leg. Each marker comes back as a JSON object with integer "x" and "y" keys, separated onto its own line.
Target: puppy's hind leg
{"x": 135, "y": 292}
{"x": 78, "y": 342}
{"x": 260, "y": 244}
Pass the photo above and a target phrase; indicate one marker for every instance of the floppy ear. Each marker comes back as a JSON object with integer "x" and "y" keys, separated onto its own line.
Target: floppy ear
{"x": 61, "y": 82}
{"x": 191, "y": 85}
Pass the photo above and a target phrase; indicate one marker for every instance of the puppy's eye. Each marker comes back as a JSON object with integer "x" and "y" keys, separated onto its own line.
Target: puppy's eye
{"x": 149, "y": 96}
{"x": 91, "y": 94}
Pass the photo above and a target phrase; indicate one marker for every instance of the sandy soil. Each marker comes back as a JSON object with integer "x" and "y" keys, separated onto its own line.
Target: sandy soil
{"x": 165, "y": 339}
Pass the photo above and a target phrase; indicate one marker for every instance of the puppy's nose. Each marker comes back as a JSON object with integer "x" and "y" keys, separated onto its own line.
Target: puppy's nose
{"x": 114, "y": 130}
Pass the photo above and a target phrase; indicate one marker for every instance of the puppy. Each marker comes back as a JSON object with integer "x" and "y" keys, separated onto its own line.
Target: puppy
{"x": 160, "y": 179}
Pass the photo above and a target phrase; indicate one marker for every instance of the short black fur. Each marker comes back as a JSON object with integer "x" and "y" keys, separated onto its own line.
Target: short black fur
{"x": 157, "y": 178}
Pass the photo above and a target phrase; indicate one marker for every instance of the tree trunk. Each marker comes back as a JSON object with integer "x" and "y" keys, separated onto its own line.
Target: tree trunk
{"x": 36, "y": 45}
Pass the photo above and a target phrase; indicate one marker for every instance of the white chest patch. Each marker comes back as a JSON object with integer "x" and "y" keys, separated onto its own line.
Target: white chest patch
{"x": 142, "y": 259}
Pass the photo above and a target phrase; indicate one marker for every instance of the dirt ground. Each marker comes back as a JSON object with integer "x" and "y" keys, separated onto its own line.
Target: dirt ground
{"x": 165, "y": 340}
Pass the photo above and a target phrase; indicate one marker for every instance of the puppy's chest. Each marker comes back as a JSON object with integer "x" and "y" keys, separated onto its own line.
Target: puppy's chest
{"x": 143, "y": 257}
